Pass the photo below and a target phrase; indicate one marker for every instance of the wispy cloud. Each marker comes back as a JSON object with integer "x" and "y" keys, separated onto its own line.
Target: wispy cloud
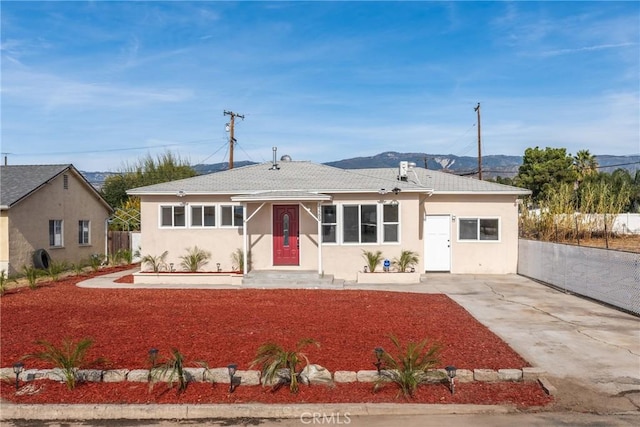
{"x": 569, "y": 51}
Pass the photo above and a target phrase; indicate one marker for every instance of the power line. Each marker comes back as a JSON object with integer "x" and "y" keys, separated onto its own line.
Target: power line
{"x": 110, "y": 150}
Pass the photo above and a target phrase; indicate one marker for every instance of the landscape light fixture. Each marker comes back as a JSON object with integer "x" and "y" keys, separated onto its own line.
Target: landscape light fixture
{"x": 379, "y": 351}
{"x": 451, "y": 373}
{"x": 218, "y": 266}
{"x": 365, "y": 269}
{"x": 153, "y": 356}
{"x": 171, "y": 267}
{"x": 232, "y": 372}
{"x": 17, "y": 369}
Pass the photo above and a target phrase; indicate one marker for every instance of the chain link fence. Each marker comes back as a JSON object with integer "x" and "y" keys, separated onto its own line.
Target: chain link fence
{"x": 612, "y": 277}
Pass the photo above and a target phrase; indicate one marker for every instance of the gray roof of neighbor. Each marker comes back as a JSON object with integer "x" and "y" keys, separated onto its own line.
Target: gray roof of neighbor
{"x": 19, "y": 181}
{"x": 309, "y": 177}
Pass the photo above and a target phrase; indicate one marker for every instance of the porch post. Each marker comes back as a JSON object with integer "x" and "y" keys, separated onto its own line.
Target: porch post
{"x": 245, "y": 224}
{"x": 319, "y": 221}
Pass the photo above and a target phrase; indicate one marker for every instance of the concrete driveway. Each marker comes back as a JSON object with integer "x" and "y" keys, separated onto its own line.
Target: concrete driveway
{"x": 590, "y": 351}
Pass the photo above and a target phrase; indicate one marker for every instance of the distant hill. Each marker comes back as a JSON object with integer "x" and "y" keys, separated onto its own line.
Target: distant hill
{"x": 492, "y": 166}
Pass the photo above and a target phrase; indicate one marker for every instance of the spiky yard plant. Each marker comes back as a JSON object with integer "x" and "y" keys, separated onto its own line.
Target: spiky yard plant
{"x": 95, "y": 261}
{"x": 410, "y": 366}
{"x": 405, "y": 260}
{"x": 56, "y": 268}
{"x": 195, "y": 259}
{"x": 237, "y": 260}
{"x": 69, "y": 357}
{"x": 157, "y": 262}
{"x": 172, "y": 370}
{"x": 279, "y": 366}
{"x": 4, "y": 281}
{"x": 31, "y": 273}
{"x": 372, "y": 258}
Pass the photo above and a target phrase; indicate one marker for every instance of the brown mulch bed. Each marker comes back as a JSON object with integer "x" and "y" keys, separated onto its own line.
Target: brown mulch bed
{"x": 227, "y": 326}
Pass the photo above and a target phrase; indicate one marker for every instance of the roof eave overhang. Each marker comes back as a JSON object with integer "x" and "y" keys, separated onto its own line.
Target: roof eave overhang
{"x": 483, "y": 193}
{"x": 278, "y": 198}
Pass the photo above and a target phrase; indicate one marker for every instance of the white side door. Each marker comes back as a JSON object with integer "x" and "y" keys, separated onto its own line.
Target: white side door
{"x": 437, "y": 243}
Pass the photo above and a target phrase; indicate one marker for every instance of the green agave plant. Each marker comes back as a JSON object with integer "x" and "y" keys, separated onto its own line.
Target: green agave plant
{"x": 410, "y": 366}
{"x": 279, "y": 366}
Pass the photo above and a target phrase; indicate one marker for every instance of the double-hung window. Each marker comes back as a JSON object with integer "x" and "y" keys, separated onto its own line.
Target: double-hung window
{"x": 83, "y": 232}
{"x": 203, "y": 216}
{"x": 172, "y": 216}
{"x": 390, "y": 224}
{"x": 232, "y": 216}
{"x": 329, "y": 223}
{"x": 55, "y": 233}
{"x": 479, "y": 229}
{"x": 360, "y": 223}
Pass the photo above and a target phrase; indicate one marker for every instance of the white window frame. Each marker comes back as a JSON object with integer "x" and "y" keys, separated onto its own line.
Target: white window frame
{"x": 479, "y": 220}
{"x": 234, "y": 218}
{"x": 173, "y": 215}
{"x": 342, "y": 224}
{"x": 84, "y": 232}
{"x": 335, "y": 223}
{"x": 202, "y": 207}
{"x": 56, "y": 235}
{"x": 383, "y": 223}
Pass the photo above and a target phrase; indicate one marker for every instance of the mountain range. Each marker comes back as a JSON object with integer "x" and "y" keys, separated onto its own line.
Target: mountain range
{"x": 492, "y": 166}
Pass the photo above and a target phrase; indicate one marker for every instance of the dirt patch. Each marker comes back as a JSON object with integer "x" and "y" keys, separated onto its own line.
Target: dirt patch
{"x": 576, "y": 397}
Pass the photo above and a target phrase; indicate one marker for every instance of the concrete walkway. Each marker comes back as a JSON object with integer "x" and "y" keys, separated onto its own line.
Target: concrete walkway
{"x": 591, "y": 352}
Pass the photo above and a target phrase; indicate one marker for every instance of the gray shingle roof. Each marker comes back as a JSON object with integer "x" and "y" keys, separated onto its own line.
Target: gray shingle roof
{"x": 18, "y": 181}
{"x": 292, "y": 176}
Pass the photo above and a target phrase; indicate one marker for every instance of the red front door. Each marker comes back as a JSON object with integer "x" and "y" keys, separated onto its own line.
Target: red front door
{"x": 286, "y": 248}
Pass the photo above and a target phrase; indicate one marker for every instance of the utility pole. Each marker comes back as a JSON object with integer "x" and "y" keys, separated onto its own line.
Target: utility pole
{"x": 477, "y": 110}
{"x": 232, "y": 140}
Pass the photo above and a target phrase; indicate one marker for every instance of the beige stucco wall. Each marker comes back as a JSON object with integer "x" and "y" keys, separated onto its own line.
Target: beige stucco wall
{"x": 4, "y": 241}
{"x": 486, "y": 257}
{"x": 28, "y": 223}
{"x": 341, "y": 260}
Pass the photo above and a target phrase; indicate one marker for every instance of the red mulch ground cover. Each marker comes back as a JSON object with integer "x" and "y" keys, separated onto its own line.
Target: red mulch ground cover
{"x": 227, "y": 326}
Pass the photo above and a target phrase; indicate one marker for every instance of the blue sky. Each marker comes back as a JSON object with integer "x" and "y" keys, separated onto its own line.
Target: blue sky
{"x": 100, "y": 84}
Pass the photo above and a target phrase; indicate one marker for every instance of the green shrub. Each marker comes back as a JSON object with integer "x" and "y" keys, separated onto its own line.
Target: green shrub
{"x": 4, "y": 281}
{"x": 56, "y": 268}
{"x": 237, "y": 260}
{"x": 157, "y": 263}
{"x": 411, "y": 366}
{"x": 95, "y": 261}
{"x": 407, "y": 259}
{"x": 372, "y": 258}
{"x": 31, "y": 273}
{"x": 68, "y": 357}
{"x": 172, "y": 370}
{"x": 195, "y": 259}
{"x": 279, "y": 366}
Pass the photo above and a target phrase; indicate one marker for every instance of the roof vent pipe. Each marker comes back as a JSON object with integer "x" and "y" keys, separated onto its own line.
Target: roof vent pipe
{"x": 274, "y": 165}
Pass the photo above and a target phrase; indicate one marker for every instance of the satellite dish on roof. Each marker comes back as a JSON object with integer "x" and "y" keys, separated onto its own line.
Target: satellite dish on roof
{"x": 285, "y": 158}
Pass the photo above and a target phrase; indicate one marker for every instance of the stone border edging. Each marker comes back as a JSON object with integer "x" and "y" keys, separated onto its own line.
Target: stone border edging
{"x": 253, "y": 377}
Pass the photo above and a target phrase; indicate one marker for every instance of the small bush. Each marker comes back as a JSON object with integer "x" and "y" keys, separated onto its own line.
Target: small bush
{"x": 237, "y": 260}
{"x": 157, "y": 263}
{"x": 95, "y": 261}
{"x": 195, "y": 259}
{"x": 31, "y": 273}
{"x": 407, "y": 259}
{"x": 410, "y": 366}
{"x": 172, "y": 369}
{"x": 372, "y": 258}
{"x": 279, "y": 366}
{"x": 68, "y": 357}
{"x": 56, "y": 268}
{"x": 4, "y": 281}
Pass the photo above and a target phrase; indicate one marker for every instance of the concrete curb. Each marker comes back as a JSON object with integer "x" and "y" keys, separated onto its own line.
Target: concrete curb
{"x": 250, "y": 410}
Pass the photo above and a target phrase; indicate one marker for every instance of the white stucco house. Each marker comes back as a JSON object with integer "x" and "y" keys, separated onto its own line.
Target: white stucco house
{"x": 299, "y": 215}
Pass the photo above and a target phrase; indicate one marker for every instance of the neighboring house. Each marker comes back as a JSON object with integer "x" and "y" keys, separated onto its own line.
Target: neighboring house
{"x": 298, "y": 215}
{"x": 50, "y": 210}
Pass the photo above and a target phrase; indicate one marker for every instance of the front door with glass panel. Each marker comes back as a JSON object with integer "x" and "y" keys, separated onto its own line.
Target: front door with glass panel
{"x": 286, "y": 248}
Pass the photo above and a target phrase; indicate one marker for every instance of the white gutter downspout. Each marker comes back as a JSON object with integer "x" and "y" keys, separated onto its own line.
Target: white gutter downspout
{"x": 106, "y": 238}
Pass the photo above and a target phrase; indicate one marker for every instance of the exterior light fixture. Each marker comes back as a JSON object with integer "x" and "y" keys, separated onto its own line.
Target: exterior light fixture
{"x": 17, "y": 369}
{"x": 451, "y": 373}
{"x": 232, "y": 372}
{"x": 171, "y": 267}
{"x": 153, "y": 357}
{"x": 218, "y": 267}
{"x": 365, "y": 269}
{"x": 379, "y": 351}
{"x": 413, "y": 269}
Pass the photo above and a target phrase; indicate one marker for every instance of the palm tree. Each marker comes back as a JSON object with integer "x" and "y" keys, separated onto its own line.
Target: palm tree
{"x": 585, "y": 164}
